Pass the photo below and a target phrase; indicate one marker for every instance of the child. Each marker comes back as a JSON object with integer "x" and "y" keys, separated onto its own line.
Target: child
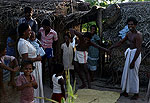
{"x": 68, "y": 55}
{"x": 58, "y": 83}
{"x": 11, "y": 43}
{"x": 26, "y": 82}
{"x": 7, "y": 63}
{"x": 36, "y": 43}
{"x": 48, "y": 38}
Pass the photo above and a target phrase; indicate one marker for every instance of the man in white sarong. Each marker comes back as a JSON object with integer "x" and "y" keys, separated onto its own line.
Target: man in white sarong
{"x": 130, "y": 79}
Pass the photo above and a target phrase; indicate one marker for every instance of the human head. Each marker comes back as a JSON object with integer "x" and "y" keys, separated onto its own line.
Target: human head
{"x": 27, "y": 67}
{"x": 24, "y": 30}
{"x": 28, "y": 11}
{"x": 87, "y": 36}
{"x": 46, "y": 24}
{"x": 33, "y": 36}
{"x": 13, "y": 34}
{"x": 2, "y": 49}
{"x": 132, "y": 22}
{"x": 93, "y": 29}
{"x": 67, "y": 37}
{"x": 59, "y": 68}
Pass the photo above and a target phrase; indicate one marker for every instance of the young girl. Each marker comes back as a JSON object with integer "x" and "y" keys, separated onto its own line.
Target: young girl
{"x": 26, "y": 82}
{"x": 7, "y": 63}
{"x": 58, "y": 83}
{"x": 68, "y": 55}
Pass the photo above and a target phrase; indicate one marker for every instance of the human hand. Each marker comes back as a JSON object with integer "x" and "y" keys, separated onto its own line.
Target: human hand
{"x": 132, "y": 65}
{"x": 39, "y": 58}
{"x": 16, "y": 69}
{"x": 29, "y": 85}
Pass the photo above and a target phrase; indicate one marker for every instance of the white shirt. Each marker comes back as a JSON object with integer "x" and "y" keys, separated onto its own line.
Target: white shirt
{"x": 25, "y": 46}
{"x": 56, "y": 85}
{"x": 67, "y": 56}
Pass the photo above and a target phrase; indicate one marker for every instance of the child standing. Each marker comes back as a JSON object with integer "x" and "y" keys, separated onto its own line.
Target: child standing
{"x": 7, "y": 63}
{"x": 26, "y": 82}
{"x": 58, "y": 83}
{"x": 68, "y": 55}
{"x": 37, "y": 44}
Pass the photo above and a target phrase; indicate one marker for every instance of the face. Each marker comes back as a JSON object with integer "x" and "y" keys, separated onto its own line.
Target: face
{"x": 27, "y": 70}
{"x": 66, "y": 39}
{"x": 131, "y": 26}
{"x": 27, "y": 33}
{"x": 3, "y": 52}
{"x": 29, "y": 15}
{"x": 87, "y": 40}
{"x": 46, "y": 28}
{"x": 32, "y": 37}
{"x": 93, "y": 30}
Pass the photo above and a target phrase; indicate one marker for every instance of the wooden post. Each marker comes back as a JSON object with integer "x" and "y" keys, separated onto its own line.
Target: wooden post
{"x": 99, "y": 25}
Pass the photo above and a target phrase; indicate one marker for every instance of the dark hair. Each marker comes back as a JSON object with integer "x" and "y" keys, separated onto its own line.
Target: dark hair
{"x": 22, "y": 28}
{"x": 2, "y": 47}
{"x": 28, "y": 10}
{"x": 27, "y": 62}
{"x": 87, "y": 35}
{"x": 13, "y": 34}
{"x": 67, "y": 34}
{"x": 94, "y": 27}
{"x": 132, "y": 19}
{"x": 46, "y": 22}
{"x": 58, "y": 68}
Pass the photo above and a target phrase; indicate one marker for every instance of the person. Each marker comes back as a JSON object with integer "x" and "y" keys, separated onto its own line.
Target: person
{"x": 28, "y": 11}
{"x": 67, "y": 51}
{"x": 47, "y": 37}
{"x": 130, "y": 79}
{"x": 11, "y": 43}
{"x": 26, "y": 82}
{"x": 37, "y": 44}
{"x": 28, "y": 52}
{"x": 81, "y": 55}
{"x": 7, "y": 63}
{"x": 58, "y": 83}
{"x": 93, "y": 52}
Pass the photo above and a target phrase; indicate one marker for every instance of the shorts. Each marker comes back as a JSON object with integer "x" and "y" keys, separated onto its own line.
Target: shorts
{"x": 92, "y": 68}
{"x": 49, "y": 52}
{"x": 57, "y": 97}
{"x": 81, "y": 56}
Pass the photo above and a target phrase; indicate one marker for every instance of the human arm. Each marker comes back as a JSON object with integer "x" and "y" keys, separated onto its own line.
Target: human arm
{"x": 25, "y": 57}
{"x": 74, "y": 32}
{"x": 3, "y": 66}
{"x": 61, "y": 82}
{"x": 119, "y": 43}
{"x": 97, "y": 46}
{"x": 138, "y": 51}
{"x": 19, "y": 88}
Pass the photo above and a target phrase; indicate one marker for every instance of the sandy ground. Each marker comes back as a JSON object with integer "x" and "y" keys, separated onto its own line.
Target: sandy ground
{"x": 98, "y": 84}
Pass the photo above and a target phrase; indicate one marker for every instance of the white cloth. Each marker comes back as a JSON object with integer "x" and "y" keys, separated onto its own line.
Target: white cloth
{"x": 56, "y": 85}
{"x": 81, "y": 56}
{"x": 130, "y": 79}
{"x": 67, "y": 56}
{"x": 25, "y": 46}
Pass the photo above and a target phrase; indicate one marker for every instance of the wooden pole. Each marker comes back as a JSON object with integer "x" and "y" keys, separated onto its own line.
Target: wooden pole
{"x": 99, "y": 25}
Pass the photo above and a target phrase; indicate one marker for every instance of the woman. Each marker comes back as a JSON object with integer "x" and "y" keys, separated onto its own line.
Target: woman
{"x": 93, "y": 52}
{"x": 28, "y": 52}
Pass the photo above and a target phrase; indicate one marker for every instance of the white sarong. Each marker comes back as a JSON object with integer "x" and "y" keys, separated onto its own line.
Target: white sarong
{"x": 130, "y": 79}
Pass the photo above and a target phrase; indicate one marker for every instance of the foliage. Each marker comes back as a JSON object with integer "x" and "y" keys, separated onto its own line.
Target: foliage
{"x": 70, "y": 91}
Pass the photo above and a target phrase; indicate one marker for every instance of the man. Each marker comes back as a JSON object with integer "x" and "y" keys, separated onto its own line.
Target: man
{"x": 81, "y": 55}
{"x": 28, "y": 11}
{"x": 130, "y": 79}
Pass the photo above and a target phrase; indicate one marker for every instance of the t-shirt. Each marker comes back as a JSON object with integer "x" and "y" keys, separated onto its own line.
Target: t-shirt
{"x": 6, "y": 60}
{"x": 10, "y": 50}
{"x": 27, "y": 94}
{"x": 47, "y": 40}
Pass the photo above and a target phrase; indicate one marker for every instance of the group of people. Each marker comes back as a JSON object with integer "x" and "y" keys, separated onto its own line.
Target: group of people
{"x": 33, "y": 54}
